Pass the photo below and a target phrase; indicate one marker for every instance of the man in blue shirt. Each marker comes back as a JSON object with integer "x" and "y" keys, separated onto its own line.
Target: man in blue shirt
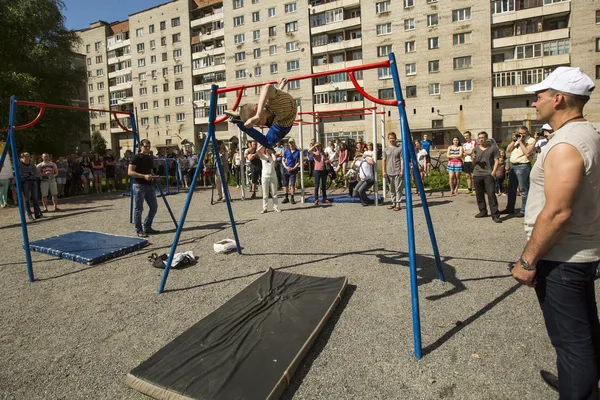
{"x": 427, "y": 145}
{"x": 291, "y": 164}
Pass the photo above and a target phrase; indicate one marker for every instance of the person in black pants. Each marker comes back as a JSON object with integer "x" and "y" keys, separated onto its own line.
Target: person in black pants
{"x": 140, "y": 169}
{"x": 486, "y": 160}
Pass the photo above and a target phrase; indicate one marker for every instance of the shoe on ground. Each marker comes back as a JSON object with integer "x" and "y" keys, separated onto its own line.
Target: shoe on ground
{"x": 482, "y": 214}
{"x": 277, "y": 210}
{"x": 397, "y": 208}
{"x": 316, "y": 202}
{"x": 263, "y": 212}
{"x": 496, "y": 219}
{"x": 253, "y": 195}
{"x": 519, "y": 215}
{"x": 469, "y": 191}
{"x": 326, "y": 201}
{"x": 151, "y": 231}
{"x": 550, "y": 379}
{"x": 142, "y": 235}
{"x": 30, "y": 218}
{"x": 286, "y": 200}
{"x": 293, "y": 201}
{"x": 220, "y": 198}
{"x": 506, "y": 211}
{"x": 234, "y": 116}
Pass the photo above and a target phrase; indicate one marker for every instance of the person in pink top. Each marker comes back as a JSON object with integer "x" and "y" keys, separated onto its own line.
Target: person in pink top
{"x": 343, "y": 163}
{"x": 320, "y": 172}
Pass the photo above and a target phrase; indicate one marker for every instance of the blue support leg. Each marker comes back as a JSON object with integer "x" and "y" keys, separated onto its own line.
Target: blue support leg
{"x": 136, "y": 143}
{"x": 167, "y": 175}
{"x": 162, "y": 194}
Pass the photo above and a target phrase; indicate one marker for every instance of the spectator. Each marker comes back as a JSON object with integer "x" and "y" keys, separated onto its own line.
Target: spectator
{"x": 28, "y": 174}
{"x": 291, "y": 163}
{"x": 279, "y": 149}
{"x": 86, "y": 172}
{"x": 486, "y": 160}
{"x": 193, "y": 162}
{"x": 427, "y": 145}
{"x": 97, "y": 170}
{"x": 267, "y": 157}
{"x": 207, "y": 169}
{"x": 393, "y": 170}
{"x": 332, "y": 158}
{"x": 541, "y": 138}
{"x": 521, "y": 151}
{"x": 468, "y": 147}
{"x": 254, "y": 167}
{"x": 500, "y": 176}
{"x": 48, "y": 171}
{"x": 343, "y": 162}
{"x": 6, "y": 175}
{"x": 310, "y": 159}
{"x": 365, "y": 179}
{"x": 109, "y": 166}
{"x": 223, "y": 155}
{"x": 360, "y": 145}
{"x": 237, "y": 167}
{"x": 140, "y": 169}
{"x": 61, "y": 180}
{"x": 316, "y": 151}
{"x": 421, "y": 161}
{"x": 183, "y": 166}
{"x": 455, "y": 164}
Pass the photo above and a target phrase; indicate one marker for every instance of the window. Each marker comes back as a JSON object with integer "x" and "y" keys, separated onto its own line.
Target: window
{"x": 168, "y": 118}
{"x": 91, "y": 101}
{"x": 98, "y": 59}
{"x": 461, "y": 38}
{"x": 383, "y": 6}
{"x": 100, "y": 99}
{"x": 597, "y": 44}
{"x": 165, "y": 71}
{"x": 178, "y": 85}
{"x": 597, "y": 68}
{"x": 143, "y": 91}
{"x": 433, "y": 43}
{"x": 238, "y": 39}
{"x": 176, "y": 38}
{"x": 97, "y": 46}
{"x": 463, "y": 86}
{"x": 409, "y": 24}
{"x": 386, "y": 94}
{"x": 88, "y": 47}
{"x": 409, "y": 3}
{"x": 154, "y": 88}
{"x": 180, "y": 117}
{"x": 241, "y": 56}
{"x": 175, "y": 22}
{"x": 433, "y": 66}
{"x": 257, "y": 71}
{"x": 290, "y": 7}
{"x": 256, "y": 35}
{"x": 272, "y": 31}
{"x": 462, "y": 14}
{"x": 272, "y": 50}
{"x": 597, "y": 17}
{"x": 141, "y": 62}
{"x": 163, "y": 25}
{"x": 293, "y": 85}
{"x": 411, "y": 91}
{"x": 139, "y": 32}
{"x": 411, "y": 69}
{"x": 144, "y": 121}
{"x": 409, "y": 47}
{"x": 179, "y": 101}
{"x": 163, "y": 41}
{"x": 103, "y": 126}
{"x": 383, "y": 51}
{"x": 151, "y": 29}
{"x": 165, "y": 87}
{"x": 238, "y": 21}
{"x": 100, "y": 85}
{"x": 152, "y": 59}
{"x": 166, "y": 103}
{"x": 89, "y": 61}
{"x": 177, "y": 53}
{"x": 256, "y": 53}
{"x": 292, "y": 46}
{"x": 462, "y": 62}
{"x": 240, "y": 74}
{"x": 556, "y": 47}
{"x": 144, "y": 105}
{"x": 293, "y": 65}
{"x": 384, "y": 29}
{"x": 434, "y": 89}
{"x": 238, "y": 4}
{"x": 291, "y": 27}
{"x": 384, "y": 73}
{"x": 273, "y": 68}
{"x": 100, "y": 72}
{"x": 528, "y": 51}
{"x": 156, "y": 120}
{"x": 256, "y": 16}
{"x": 140, "y": 47}
{"x": 155, "y": 104}
{"x": 271, "y": 12}
{"x": 90, "y": 88}
{"x": 432, "y": 20}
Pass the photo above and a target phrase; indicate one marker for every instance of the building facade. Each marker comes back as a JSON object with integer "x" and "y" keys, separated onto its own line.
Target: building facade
{"x": 463, "y": 64}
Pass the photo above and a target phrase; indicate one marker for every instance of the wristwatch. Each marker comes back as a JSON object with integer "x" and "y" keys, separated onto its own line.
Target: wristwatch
{"x": 526, "y": 266}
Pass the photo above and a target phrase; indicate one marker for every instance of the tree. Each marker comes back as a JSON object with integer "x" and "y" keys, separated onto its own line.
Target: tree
{"x": 38, "y": 65}
{"x": 98, "y": 143}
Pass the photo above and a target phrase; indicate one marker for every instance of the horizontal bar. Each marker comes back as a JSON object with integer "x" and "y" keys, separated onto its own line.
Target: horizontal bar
{"x": 313, "y": 75}
{"x": 347, "y": 115}
{"x": 38, "y": 104}
{"x": 338, "y": 111}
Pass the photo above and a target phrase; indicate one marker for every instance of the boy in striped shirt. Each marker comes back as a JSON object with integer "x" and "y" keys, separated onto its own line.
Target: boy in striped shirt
{"x": 275, "y": 109}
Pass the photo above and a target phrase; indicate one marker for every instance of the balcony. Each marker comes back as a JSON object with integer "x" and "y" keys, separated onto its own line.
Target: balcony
{"x": 207, "y": 86}
{"x": 518, "y": 114}
{"x": 328, "y": 87}
{"x": 528, "y": 63}
{"x": 208, "y": 52}
{"x": 550, "y": 9}
{"x": 209, "y": 69}
{"x": 115, "y": 60}
{"x": 509, "y": 91}
{"x": 333, "y": 5}
{"x": 531, "y": 38}
{"x": 343, "y": 45}
{"x": 209, "y": 36}
{"x": 336, "y": 66}
{"x": 217, "y": 16}
{"x": 339, "y": 106}
{"x": 121, "y": 86}
{"x": 120, "y": 72}
{"x": 118, "y": 45}
{"x": 344, "y": 24}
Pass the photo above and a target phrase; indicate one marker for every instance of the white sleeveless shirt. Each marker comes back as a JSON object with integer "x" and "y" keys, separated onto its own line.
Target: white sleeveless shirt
{"x": 580, "y": 241}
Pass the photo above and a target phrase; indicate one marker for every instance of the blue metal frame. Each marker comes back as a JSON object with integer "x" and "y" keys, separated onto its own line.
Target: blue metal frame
{"x": 212, "y": 116}
{"x": 136, "y": 144}
{"x": 408, "y": 155}
{"x": 166, "y": 160}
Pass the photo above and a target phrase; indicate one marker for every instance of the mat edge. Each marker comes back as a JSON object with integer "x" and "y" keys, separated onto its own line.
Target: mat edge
{"x": 150, "y": 390}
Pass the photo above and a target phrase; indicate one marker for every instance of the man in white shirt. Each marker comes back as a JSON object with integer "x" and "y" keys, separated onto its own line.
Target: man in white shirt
{"x": 48, "y": 171}
{"x": 365, "y": 179}
{"x": 468, "y": 147}
{"x": 521, "y": 150}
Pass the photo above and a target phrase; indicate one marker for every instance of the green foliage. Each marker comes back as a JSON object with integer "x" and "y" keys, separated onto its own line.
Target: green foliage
{"x": 38, "y": 65}
{"x": 98, "y": 143}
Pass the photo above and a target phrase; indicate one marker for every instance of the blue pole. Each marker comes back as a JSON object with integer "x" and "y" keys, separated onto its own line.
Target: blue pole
{"x": 406, "y": 142}
{"x": 167, "y": 176}
{"x": 164, "y": 196}
{"x": 12, "y": 122}
{"x": 135, "y": 145}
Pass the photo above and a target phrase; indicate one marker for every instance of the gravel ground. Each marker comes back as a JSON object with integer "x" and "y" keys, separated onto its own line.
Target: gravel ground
{"x": 78, "y": 330}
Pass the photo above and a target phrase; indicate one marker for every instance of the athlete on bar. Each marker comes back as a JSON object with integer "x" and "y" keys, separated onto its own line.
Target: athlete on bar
{"x": 275, "y": 109}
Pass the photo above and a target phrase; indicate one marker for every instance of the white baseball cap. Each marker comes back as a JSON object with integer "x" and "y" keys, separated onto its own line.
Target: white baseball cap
{"x": 565, "y": 79}
{"x": 547, "y": 127}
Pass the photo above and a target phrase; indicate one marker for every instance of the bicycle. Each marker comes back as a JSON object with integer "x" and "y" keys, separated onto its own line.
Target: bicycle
{"x": 334, "y": 178}
{"x": 439, "y": 164}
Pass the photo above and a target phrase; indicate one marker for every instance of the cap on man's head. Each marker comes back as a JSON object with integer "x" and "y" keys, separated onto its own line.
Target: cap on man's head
{"x": 547, "y": 127}
{"x": 292, "y": 141}
{"x": 567, "y": 80}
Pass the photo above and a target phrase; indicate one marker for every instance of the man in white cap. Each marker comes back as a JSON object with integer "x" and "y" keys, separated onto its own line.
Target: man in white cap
{"x": 541, "y": 137}
{"x": 562, "y": 221}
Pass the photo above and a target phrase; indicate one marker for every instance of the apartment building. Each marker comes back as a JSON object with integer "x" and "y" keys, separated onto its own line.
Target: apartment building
{"x": 463, "y": 64}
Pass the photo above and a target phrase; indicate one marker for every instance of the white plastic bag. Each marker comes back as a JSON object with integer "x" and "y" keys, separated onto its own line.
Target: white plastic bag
{"x": 225, "y": 246}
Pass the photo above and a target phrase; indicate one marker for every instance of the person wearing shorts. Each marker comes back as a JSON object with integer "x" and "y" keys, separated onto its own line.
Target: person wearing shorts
{"x": 98, "y": 171}
{"x": 468, "y": 147}
{"x": 110, "y": 163}
{"x": 291, "y": 163}
{"x": 61, "y": 180}
{"x": 48, "y": 171}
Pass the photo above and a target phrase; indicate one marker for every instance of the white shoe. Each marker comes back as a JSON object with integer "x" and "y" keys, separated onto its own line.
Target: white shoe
{"x": 277, "y": 210}
{"x": 263, "y": 212}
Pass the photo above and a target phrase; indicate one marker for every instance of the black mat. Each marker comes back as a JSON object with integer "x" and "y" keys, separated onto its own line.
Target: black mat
{"x": 249, "y": 348}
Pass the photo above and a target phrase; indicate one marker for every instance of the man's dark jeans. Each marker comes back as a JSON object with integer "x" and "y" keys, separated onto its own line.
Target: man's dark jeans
{"x": 485, "y": 184}
{"x": 321, "y": 182}
{"x": 141, "y": 193}
{"x": 361, "y": 190}
{"x": 567, "y": 298}
{"x": 518, "y": 177}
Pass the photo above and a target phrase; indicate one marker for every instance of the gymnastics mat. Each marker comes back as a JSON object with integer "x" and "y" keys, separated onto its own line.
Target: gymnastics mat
{"x": 88, "y": 247}
{"x": 344, "y": 198}
{"x": 249, "y": 348}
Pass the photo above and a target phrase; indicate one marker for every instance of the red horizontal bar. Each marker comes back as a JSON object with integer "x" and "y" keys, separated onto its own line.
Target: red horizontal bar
{"x": 346, "y": 115}
{"x": 338, "y": 111}
{"x": 38, "y": 104}
{"x": 313, "y": 75}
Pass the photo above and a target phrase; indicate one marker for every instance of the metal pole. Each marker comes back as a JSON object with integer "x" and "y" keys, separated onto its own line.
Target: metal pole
{"x": 383, "y": 147}
{"x": 12, "y": 142}
{"x": 301, "y": 157}
{"x": 375, "y": 169}
{"x": 242, "y": 164}
{"x": 164, "y": 196}
{"x": 135, "y": 146}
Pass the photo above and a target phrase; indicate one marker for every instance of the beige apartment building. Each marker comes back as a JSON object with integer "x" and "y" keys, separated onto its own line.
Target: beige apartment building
{"x": 462, "y": 64}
